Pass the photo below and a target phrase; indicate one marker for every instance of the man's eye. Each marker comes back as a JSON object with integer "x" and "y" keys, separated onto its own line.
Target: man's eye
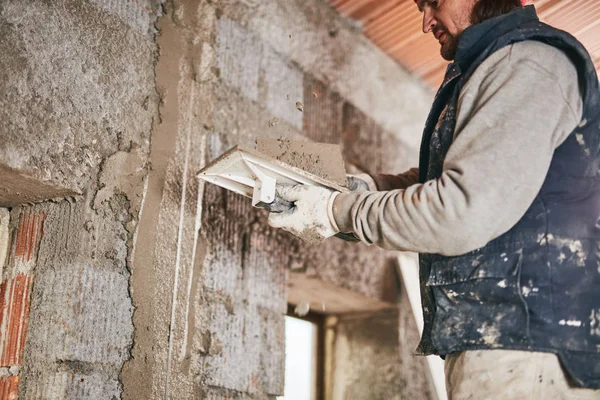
{"x": 432, "y": 3}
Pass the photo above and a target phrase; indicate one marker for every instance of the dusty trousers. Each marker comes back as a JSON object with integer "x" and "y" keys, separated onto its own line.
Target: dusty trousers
{"x": 507, "y": 374}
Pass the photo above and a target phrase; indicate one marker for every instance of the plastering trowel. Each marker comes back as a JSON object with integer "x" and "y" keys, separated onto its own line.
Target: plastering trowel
{"x": 255, "y": 175}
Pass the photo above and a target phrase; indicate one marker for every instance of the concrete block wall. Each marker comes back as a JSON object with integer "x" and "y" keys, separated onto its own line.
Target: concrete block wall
{"x": 148, "y": 284}
{"x": 77, "y": 105}
{"x": 209, "y": 276}
{"x": 65, "y": 314}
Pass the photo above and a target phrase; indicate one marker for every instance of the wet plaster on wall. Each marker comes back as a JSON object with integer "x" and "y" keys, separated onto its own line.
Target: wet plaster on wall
{"x": 186, "y": 340}
{"x": 168, "y": 253}
{"x": 122, "y": 172}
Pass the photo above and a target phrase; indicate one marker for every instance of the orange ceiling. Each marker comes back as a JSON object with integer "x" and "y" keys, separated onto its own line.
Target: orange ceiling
{"x": 395, "y": 26}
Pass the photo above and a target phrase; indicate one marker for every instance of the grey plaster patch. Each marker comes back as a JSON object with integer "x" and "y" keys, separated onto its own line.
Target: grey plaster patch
{"x": 122, "y": 172}
{"x": 283, "y": 86}
{"x": 71, "y": 385}
{"x": 140, "y": 15}
{"x": 83, "y": 306}
{"x": 238, "y": 57}
{"x": 78, "y": 82}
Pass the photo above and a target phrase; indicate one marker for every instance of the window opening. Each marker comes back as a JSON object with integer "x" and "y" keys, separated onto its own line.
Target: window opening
{"x": 304, "y": 356}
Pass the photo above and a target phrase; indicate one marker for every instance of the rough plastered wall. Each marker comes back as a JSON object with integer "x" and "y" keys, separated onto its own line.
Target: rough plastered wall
{"x": 77, "y": 104}
{"x": 143, "y": 283}
{"x": 385, "y": 339}
{"x": 209, "y": 276}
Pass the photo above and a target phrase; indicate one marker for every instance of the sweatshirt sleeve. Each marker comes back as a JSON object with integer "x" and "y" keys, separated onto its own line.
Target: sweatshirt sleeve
{"x": 401, "y": 181}
{"x": 518, "y": 106}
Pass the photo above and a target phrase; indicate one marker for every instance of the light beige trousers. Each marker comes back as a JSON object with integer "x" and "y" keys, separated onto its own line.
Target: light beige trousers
{"x": 507, "y": 375}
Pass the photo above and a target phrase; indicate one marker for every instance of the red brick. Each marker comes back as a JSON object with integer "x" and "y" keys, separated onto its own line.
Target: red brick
{"x": 14, "y": 317}
{"x": 29, "y": 234}
{"x": 9, "y": 387}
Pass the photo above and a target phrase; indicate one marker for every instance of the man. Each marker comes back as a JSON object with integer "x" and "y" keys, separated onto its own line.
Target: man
{"x": 504, "y": 208}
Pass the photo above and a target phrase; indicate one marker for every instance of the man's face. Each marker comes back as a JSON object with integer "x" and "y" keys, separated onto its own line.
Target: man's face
{"x": 446, "y": 19}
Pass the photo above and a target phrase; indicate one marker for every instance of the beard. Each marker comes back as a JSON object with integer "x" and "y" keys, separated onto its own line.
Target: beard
{"x": 448, "y": 49}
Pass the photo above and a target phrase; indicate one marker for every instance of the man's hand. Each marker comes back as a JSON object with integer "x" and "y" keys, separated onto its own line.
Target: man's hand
{"x": 361, "y": 183}
{"x": 311, "y": 217}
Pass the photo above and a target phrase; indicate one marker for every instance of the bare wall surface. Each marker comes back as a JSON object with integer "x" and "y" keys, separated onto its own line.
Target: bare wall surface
{"x": 80, "y": 329}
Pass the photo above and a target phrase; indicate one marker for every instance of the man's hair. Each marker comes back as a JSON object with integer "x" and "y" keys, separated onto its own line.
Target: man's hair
{"x": 486, "y": 9}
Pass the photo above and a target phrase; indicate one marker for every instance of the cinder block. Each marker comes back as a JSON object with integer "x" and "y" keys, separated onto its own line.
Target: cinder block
{"x": 282, "y": 82}
{"x": 361, "y": 139}
{"x": 265, "y": 272}
{"x": 223, "y": 222}
{"x": 239, "y": 55}
{"x": 237, "y": 359}
{"x": 322, "y": 112}
{"x": 272, "y": 354}
{"x": 137, "y": 14}
{"x": 72, "y": 385}
{"x": 82, "y": 313}
{"x": 251, "y": 352}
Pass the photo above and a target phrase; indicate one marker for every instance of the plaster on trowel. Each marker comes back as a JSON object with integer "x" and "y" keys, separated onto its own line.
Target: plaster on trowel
{"x": 255, "y": 173}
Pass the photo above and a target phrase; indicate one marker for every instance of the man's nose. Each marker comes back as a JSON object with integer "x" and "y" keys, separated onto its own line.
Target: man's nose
{"x": 428, "y": 20}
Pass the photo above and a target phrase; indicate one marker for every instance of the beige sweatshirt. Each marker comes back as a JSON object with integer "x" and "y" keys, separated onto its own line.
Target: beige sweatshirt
{"x": 515, "y": 110}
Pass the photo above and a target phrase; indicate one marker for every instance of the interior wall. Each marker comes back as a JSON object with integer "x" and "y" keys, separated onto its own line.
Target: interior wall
{"x": 185, "y": 281}
{"x": 372, "y": 357}
{"x": 77, "y": 104}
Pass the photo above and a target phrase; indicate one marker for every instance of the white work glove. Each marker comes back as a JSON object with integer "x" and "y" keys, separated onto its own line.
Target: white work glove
{"x": 361, "y": 183}
{"x": 311, "y": 218}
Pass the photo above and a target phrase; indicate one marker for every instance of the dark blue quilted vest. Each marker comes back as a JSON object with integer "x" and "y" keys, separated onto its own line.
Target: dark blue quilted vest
{"x": 537, "y": 287}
